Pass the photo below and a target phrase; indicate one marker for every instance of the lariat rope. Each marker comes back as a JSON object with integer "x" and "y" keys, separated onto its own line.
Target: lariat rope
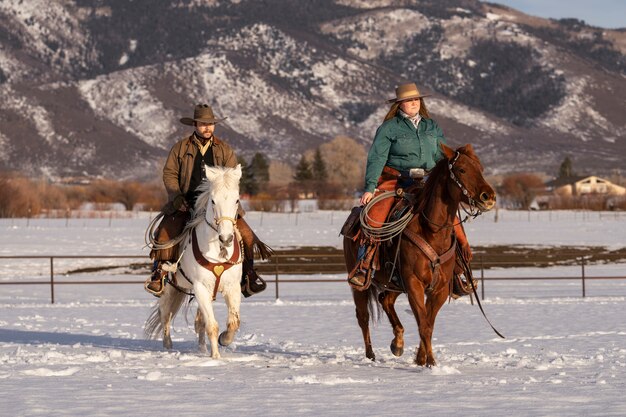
{"x": 388, "y": 230}
{"x": 150, "y": 236}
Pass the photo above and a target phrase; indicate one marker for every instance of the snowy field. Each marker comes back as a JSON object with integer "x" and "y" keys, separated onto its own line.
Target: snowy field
{"x": 85, "y": 355}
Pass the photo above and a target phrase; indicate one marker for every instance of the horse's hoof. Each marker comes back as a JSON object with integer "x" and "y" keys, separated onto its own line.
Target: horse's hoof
{"x": 226, "y": 338}
{"x": 167, "y": 343}
{"x": 203, "y": 349}
{"x": 396, "y": 350}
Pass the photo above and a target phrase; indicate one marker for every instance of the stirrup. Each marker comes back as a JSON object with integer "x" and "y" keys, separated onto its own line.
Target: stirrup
{"x": 162, "y": 272}
{"x": 461, "y": 286}
{"x": 358, "y": 286}
{"x": 252, "y": 283}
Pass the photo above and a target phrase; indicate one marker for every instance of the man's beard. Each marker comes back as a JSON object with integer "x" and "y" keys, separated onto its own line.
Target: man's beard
{"x": 204, "y": 138}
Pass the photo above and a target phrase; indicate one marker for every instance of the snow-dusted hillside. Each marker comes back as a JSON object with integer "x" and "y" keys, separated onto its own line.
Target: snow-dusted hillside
{"x": 98, "y": 90}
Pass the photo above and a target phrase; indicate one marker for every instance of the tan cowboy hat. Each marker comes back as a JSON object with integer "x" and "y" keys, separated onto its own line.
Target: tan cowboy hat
{"x": 405, "y": 92}
{"x": 202, "y": 113}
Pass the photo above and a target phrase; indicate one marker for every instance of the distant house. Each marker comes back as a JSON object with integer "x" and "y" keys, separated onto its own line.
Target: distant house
{"x": 586, "y": 185}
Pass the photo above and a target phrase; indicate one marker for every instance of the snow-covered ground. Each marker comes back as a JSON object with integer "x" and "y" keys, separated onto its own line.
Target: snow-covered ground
{"x": 86, "y": 355}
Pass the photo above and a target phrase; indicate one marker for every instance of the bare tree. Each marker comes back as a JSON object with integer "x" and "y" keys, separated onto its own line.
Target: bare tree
{"x": 521, "y": 189}
{"x": 345, "y": 163}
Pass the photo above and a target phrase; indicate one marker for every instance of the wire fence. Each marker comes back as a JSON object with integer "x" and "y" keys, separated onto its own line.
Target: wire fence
{"x": 485, "y": 268}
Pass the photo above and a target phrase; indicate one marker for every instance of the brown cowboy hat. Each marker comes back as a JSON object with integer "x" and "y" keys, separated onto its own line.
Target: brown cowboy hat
{"x": 201, "y": 113}
{"x": 405, "y": 92}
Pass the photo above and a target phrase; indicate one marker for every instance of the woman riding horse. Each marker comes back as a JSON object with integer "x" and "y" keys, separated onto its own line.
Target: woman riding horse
{"x": 406, "y": 146}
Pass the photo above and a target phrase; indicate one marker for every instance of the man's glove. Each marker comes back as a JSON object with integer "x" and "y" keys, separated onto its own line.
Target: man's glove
{"x": 180, "y": 203}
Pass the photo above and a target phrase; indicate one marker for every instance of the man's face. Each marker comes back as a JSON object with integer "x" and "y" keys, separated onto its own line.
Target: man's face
{"x": 205, "y": 130}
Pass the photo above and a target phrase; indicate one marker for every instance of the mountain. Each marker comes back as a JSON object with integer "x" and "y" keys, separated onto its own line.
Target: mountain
{"x": 96, "y": 88}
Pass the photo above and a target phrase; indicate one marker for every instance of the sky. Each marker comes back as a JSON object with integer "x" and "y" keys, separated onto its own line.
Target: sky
{"x": 603, "y": 13}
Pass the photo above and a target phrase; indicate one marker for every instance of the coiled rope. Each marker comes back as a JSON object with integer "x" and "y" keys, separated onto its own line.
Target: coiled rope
{"x": 150, "y": 236}
{"x": 387, "y": 230}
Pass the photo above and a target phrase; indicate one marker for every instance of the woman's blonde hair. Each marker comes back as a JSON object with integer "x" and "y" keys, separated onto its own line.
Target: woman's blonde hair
{"x": 393, "y": 110}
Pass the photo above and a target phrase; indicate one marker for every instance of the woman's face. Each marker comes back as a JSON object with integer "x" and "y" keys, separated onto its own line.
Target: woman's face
{"x": 411, "y": 106}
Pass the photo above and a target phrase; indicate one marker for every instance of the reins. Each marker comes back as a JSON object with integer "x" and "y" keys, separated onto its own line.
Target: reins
{"x": 469, "y": 276}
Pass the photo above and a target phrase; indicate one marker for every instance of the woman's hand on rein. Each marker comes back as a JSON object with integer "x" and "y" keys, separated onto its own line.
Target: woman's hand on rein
{"x": 366, "y": 197}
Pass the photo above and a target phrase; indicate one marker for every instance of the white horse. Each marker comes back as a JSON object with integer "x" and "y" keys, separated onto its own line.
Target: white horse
{"x": 211, "y": 261}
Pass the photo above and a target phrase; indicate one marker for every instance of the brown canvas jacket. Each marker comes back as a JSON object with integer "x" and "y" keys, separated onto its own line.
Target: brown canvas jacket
{"x": 179, "y": 165}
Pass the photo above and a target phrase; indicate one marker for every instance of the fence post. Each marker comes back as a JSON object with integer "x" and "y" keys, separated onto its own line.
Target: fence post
{"x": 482, "y": 278}
{"x": 582, "y": 265}
{"x": 52, "y": 280}
{"x": 276, "y": 277}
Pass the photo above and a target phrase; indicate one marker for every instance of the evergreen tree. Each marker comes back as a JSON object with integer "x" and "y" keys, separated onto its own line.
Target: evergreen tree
{"x": 303, "y": 171}
{"x": 303, "y": 176}
{"x": 319, "y": 167}
{"x": 565, "y": 170}
{"x": 248, "y": 183}
{"x": 260, "y": 168}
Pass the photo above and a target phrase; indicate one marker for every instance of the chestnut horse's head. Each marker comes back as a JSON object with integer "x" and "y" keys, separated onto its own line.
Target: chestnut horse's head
{"x": 466, "y": 172}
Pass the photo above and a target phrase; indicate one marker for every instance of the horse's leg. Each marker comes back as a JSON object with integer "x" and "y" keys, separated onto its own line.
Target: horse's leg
{"x": 200, "y": 328}
{"x": 166, "y": 314}
{"x": 205, "y": 305}
{"x": 232, "y": 296}
{"x": 387, "y": 300}
{"x": 363, "y": 317}
{"x": 434, "y": 302}
{"x": 415, "y": 293}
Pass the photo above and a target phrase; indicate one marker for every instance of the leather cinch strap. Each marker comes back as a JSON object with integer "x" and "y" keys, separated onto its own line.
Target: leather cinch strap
{"x": 435, "y": 260}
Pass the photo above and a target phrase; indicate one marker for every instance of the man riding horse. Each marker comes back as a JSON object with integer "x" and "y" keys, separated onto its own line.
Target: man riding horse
{"x": 182, "y": 173}
{"x": 406, "y": 146}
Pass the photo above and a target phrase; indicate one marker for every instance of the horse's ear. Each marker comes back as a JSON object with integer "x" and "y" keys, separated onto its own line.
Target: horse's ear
{"x": 237, "y": 172}
{"x": 468, "y": 149}
{"x": 447, "y": 151}
{"x": 211, "y": 172}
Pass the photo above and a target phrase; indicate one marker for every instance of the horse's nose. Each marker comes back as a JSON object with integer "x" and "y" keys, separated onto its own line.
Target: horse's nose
{"x": 226, "y": 240}
{"x": 488, "y": 200}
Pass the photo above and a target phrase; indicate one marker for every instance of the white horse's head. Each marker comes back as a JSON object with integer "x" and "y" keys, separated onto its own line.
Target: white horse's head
{"x": 223, "y": 201}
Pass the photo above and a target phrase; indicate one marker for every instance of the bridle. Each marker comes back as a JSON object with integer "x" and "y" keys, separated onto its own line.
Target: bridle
{"x": 473, "y": 212}
{"x": 218, "y": 220}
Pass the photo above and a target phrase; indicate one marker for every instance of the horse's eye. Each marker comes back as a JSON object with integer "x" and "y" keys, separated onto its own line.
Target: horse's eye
{"x": 237, "y": 201}
{"x": 212, "y": 202}
{"x": 461, "y": 170}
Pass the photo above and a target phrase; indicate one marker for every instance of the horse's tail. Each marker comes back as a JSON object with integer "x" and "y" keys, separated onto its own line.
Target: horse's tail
{"x": 153, "y": 329}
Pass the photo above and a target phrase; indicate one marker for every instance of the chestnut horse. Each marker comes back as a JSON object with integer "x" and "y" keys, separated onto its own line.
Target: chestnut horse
{"x": 457, "y": 178}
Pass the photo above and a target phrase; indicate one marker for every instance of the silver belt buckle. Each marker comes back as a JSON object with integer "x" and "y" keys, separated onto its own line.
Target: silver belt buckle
{"x": 417, "y": 172}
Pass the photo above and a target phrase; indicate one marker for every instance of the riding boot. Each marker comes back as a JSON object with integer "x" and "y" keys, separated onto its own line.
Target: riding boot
{"x": 460, "y": 283}
{"x": 363, "y": 271}
{"x": 251, "y": 282}
{"x": 155, "y": 285}
{"x": 170, "y": 227}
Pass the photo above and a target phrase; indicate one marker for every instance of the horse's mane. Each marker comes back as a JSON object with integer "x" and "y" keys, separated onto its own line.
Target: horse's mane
{"x": 433, "y": 179}
{"x": 438, "y": 172}
{"x": 219, "y": 179}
